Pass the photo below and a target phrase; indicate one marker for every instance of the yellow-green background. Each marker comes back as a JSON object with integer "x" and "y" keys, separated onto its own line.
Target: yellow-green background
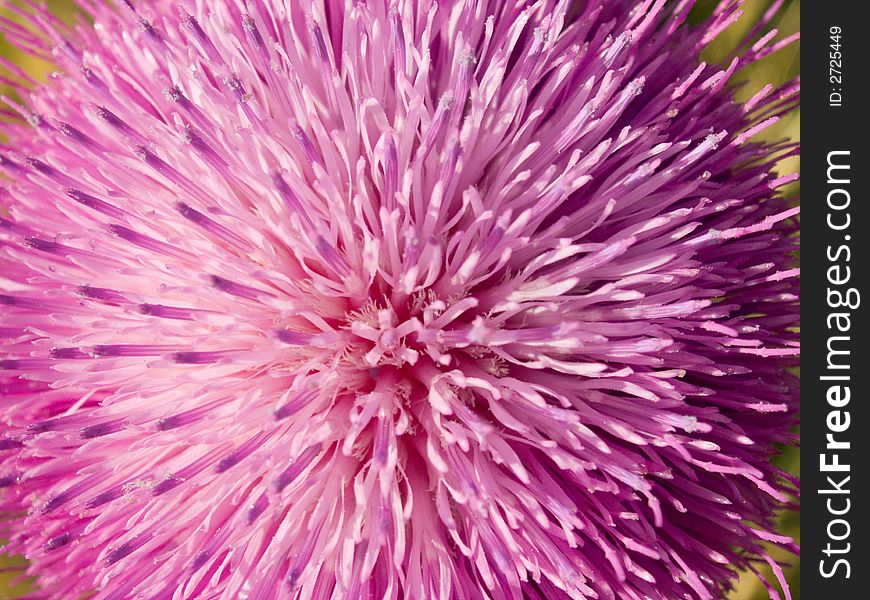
{"x": 775, "y": 69}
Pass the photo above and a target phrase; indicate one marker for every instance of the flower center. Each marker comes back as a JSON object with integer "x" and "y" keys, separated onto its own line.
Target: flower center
{"x": 388, "y": 338}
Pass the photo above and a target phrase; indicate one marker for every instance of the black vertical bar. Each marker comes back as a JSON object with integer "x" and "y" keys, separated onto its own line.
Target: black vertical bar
{"x": 835, "y": 263}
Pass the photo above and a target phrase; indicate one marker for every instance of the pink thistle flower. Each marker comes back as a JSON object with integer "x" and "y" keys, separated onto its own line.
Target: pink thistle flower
{"x": 393, "y": 299}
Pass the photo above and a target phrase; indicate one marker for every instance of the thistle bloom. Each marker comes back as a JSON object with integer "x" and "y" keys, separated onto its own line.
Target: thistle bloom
{"x": 393, "y": 299}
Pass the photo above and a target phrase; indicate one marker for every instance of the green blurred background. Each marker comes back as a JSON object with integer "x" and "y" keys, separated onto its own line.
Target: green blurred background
{"x": 776, "y": 69}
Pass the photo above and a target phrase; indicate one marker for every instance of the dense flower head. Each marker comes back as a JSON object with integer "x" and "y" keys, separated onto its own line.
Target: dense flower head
{"x": 336, "y": 299}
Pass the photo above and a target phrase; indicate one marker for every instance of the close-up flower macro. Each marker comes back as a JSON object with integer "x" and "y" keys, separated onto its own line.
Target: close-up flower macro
{"x": 397, "y": 300}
